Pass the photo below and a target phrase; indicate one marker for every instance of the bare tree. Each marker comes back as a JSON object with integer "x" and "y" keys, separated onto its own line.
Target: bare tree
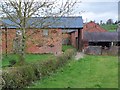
{"x": 21, "y": 12}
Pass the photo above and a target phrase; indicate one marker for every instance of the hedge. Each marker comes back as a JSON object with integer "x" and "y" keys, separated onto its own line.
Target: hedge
{"x": 19, "y": 77}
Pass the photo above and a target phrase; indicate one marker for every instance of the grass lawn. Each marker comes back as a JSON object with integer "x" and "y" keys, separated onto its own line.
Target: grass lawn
{"x": 29, "y": 58}
{"x": 110, "y": 28}
{"x": 89, "y": 72}
{"x": 65, "y": 47}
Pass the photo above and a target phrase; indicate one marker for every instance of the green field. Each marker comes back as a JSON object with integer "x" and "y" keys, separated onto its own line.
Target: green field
{"x": 28, "y": 58}
{"x": 31, "y": 57}
{"x": 110, "y": 28}
{"x": 89, "y": 72}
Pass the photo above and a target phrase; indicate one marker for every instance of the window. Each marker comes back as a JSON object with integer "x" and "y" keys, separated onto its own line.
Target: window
{"x": 45, "y": 32}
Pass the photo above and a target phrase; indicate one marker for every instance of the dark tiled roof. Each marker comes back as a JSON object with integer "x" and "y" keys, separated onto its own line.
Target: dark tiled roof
{"x": 101, "y": 36}
{"x": 50, "y": 22}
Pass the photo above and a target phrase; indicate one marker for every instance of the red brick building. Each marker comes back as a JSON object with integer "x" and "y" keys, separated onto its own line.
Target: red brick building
{"x": 88, "y": 27}
{"x": 93, "y": 27}
{"x": 42, "y": 39}
{"x": 45, "y": 41}
{"x": 94, "y": 35}
{"x": 70, "y": 37}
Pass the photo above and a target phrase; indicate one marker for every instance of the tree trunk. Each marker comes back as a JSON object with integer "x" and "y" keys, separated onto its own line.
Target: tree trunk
{"x": 22, "y": 47}
{"x": 6, "y": 39}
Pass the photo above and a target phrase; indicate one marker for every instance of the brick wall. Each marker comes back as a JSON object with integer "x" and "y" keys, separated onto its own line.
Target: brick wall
{"x": 93, "y": 50}
{"x": 9, "y": 39}
{"x": 37, "y": 42}
{"x": 93, "y": 27}
{"x": 66, "y": 39}
{"x": 113, "y": 50}
{"x": 97, "y": 50}
{"x": 74, "y": 38}
{"x": 71, "y": 37}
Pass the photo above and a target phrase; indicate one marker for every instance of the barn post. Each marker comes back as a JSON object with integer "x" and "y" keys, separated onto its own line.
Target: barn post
{"x": 0, "y": 45}
{"x": 0, "y": 57}
{"x": 79, "y": 40}
{"x": 112, "y": 43}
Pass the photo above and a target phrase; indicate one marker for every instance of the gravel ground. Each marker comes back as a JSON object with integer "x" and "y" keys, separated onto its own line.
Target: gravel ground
{"x": 79, "y": 55}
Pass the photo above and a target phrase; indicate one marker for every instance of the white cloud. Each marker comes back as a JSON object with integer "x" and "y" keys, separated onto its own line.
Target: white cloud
{"x": 97, "y": 17}
{"x": 98, "y": 11}
{"x": 94, "y": 9}
{"x": 99, "y": 0}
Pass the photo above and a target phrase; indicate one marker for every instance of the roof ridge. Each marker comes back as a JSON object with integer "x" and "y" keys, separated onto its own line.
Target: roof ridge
{"x": 60, "y": 17}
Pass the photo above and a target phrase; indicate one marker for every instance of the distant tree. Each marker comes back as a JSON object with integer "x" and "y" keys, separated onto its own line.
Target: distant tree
{"x": 97, "y": 23}
{"x": 109, "y": 21}
{"x": 101, "y": 22}
{"x": 116, "y": 22}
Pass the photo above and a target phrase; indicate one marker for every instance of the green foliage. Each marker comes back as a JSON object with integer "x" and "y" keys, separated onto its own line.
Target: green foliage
{"x": 66, "y": 47}
{"x": 7, "y": 59}
{"x": 110, "y": 27}
{"x": 28, "y": 58}
{"x": 12, "y": 62}
{"x": 18, "y": 77}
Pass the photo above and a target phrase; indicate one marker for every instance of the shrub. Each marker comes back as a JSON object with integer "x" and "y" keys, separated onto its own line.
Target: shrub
{"x": 19, "y": 77}
{"x": 65, "y": 57}
{"x": 43, "y": 69}
{"x": 12, "y": 62}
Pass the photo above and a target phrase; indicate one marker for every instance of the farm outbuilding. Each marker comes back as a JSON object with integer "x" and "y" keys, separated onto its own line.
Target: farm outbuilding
{"x": 104, "y": 39}
{"x": 45, "y": 37}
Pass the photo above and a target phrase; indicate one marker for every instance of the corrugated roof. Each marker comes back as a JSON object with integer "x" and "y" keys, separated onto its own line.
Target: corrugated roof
{"x": 101, "y": 36}
{"x": 50, "y": 22}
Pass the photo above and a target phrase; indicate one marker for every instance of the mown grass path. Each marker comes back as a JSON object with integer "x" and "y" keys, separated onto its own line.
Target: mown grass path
{"x": 89, "y": 72}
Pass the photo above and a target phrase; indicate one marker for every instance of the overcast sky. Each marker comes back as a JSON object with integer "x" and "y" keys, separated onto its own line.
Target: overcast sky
{"x": 98, "y": 10}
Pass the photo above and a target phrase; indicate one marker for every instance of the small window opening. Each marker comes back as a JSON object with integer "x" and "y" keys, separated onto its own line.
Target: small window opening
{"x": 45, "y": 32}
